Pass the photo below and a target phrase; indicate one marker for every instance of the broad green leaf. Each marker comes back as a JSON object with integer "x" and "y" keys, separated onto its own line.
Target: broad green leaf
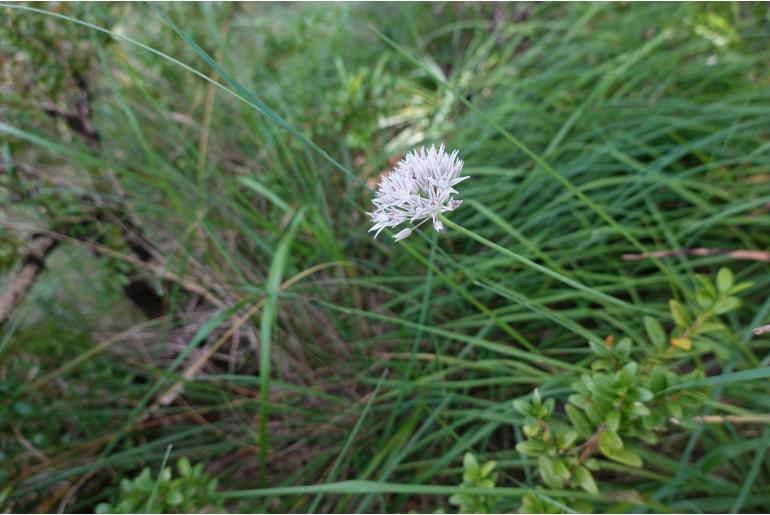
{"x": 593, "y": 414}
{"x": 707, "y": 285}
{"x": 709, "y": 327}
{"x": 536, "y": 398}
{"x": 522, "y": 406}
{"x": 725, "y": 280}
{"x": 703, "y": 299}
{"x": 658, "y": 380}
{"x": 674, "y": 407}
{"x": 599, "y": 349}
{"x": 184, "y": 466}
{"x": 580, "y": 400}
{"x": 655, "y": 332}
{"x": 566, "y": 439}
{"x": 470, "y": 463}
{"x": 547, "y": 407}
{"x": 623, "y": 349}
{"x": 740, "y": 287}
{"x": 561, "y": 470}
{"x": 579, "y": 421}
{"x": 487, "y": 468}
{"x": 726, "y": 304}
{"x": 626, "y": 456}
{"x": 610, "y": 441}
{"x": 679, "y": 313}
{"x": 546, "y": 467}
{"x": 613, "y": 420}
{"x": 529, "y": 448}
{"x": 585, "y": 479}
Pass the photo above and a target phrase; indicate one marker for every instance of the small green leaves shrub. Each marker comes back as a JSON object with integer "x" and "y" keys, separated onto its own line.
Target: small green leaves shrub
{"x": 475, "y": 475}
{"x": 191, "y": 492}
{"x": 631, "y": 394}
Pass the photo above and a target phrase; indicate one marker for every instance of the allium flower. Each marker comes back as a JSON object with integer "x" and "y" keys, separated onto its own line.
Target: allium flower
{"x": 419, "y": 188}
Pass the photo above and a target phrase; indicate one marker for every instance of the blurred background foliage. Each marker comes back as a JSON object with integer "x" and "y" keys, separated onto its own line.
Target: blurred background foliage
{"x": 170, "y": 199}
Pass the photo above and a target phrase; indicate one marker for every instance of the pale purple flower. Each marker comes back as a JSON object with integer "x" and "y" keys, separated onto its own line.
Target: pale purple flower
{"x": 419, "y": 188}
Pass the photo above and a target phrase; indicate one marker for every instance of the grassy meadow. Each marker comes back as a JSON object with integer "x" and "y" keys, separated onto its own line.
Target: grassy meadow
{"x": 207, "y": 325}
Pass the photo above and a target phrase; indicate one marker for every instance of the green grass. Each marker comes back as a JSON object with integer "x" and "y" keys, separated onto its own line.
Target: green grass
{"x": 246, "y": 139}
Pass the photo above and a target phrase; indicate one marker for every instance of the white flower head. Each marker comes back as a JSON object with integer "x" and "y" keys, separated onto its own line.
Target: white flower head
{"x": 419, "y": 188}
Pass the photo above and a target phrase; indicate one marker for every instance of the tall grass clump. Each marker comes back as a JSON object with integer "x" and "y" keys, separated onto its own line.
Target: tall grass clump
{"x": 210, "y": 325}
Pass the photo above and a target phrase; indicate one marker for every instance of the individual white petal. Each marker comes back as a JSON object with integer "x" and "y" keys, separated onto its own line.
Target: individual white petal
{"x": 404, "y": 233}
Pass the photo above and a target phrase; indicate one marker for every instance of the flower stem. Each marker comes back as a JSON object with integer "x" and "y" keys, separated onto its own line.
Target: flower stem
{"x": 540, "y": 268}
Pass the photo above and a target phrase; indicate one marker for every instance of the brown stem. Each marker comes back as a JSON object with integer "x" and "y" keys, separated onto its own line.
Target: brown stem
{"x": 591, "y": 445}
{"x": 39, "y": 247}
{"x": 752, "y": 255}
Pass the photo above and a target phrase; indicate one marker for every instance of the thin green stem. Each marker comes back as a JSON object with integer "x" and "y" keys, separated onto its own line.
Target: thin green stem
{"x": 540, "y": 268}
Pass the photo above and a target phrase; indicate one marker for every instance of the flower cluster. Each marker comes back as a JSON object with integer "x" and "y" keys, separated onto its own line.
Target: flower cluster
{"x": 419, "y": 188}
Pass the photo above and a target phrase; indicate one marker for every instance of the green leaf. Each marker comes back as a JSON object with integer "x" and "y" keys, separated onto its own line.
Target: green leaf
{"x": 580, "y": 400}
{"x": 547, "y": 407}
{"x": 470, "y": 464}
{"x": 625, "y": 456}
{"x": 567, "y": 438}
{"x": 679, "y": 313}
{"x": 529, "y": 448}
{"x": 486, "y": 483}
{"x": 144, "y": 482}
{"x": 726, "y": 304}
{"x": 267, "y": 321}
{"x": 642, "y": 394}
{"x": 579, "y": 387}
{"x": 655, "y": 332}
{"x": 184, "y": 466}
{"x": 546, "y": 467}
{"x": 709, "y": 327}
{"x": 707, "y": 285}
{"x": 610, "y": 441}
{"x": 612, "y": 420}
{"x": 487, "y": 468}
{"x": 593, "y": 414}
{"x": 579, "y": 421}
{"x": 658, "y": 379}
{"x": 600, "y": 350}
{"x": 623, "y": 349}
{"x": 588, "y": 382}
{"x": 740, "y": 287}
{"x": 675, "y": 408}
{"x": 174, "y": 498}
{"x": 561, "y": 470}
{"x": 725, "y": 280}
{"x": 703, "y": 299}
{"x": 522, "y": 406}
{"x": 585, "y": 479}
{"x": 647, "y": 436}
